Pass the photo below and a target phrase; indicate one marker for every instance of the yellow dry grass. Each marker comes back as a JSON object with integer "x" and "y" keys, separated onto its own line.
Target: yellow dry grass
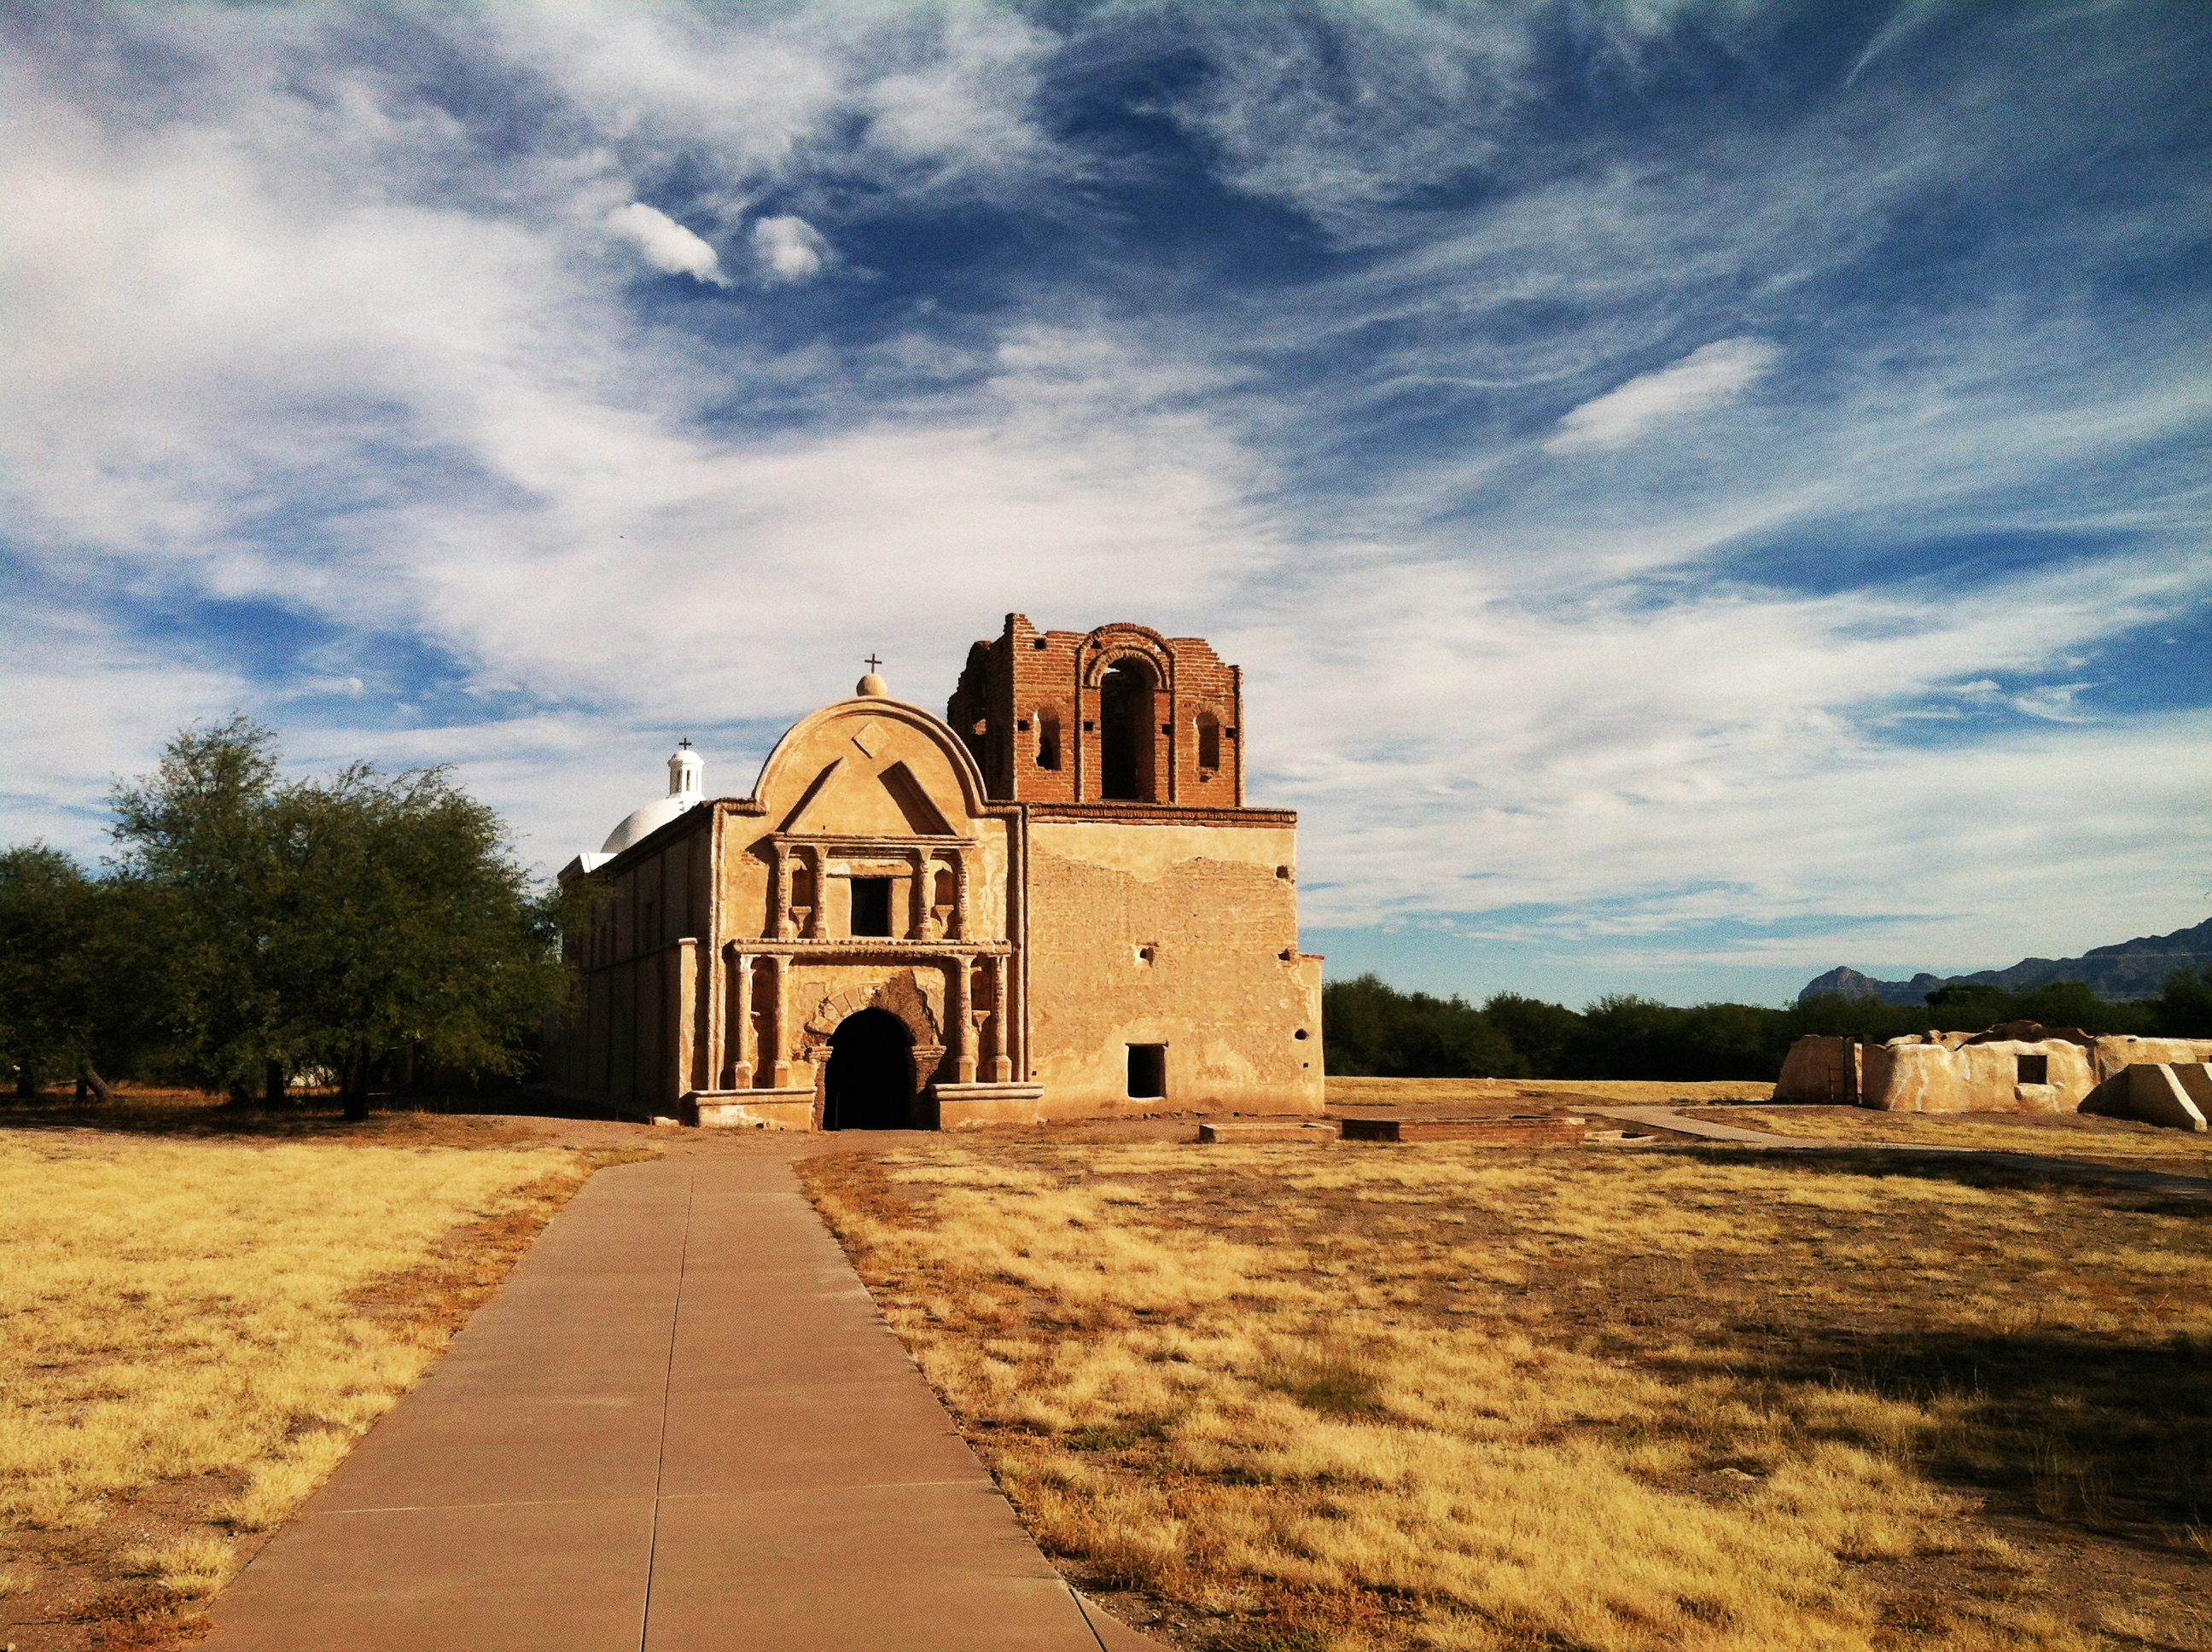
{"x": 1360, "y": 1398}
{"x": 2008, "y": 1134}
{"x": 171, "y": 1309}
{"x": 1493, "y": 1092}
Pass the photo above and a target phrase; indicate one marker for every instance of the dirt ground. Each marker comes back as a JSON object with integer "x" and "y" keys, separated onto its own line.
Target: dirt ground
{"x": 1972, "y": 1403}
{"x": 2083, "y": 1136}
{"x": 2038, "y": 1351}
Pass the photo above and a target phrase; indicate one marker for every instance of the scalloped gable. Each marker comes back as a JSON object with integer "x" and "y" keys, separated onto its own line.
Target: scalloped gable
{"x": 870, "y": 767}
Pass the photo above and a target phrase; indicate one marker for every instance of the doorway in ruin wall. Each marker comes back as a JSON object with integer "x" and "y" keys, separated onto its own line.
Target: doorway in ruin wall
{"x": 870, "y": 1082}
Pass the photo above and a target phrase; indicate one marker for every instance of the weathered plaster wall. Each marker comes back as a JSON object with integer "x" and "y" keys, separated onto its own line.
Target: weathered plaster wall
{"x": 1910, "y": 1075}
{"x": 618, "y": 1045}
{"x": 1223, "y": 986}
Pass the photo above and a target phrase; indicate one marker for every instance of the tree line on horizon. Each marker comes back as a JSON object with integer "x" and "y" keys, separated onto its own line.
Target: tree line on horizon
{"x": 248, "y": 931}
{"x": 1372, "y": 1030}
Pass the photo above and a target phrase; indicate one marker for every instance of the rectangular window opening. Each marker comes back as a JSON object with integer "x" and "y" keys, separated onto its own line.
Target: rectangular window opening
{"x": 2034, "y": 1069}
{"x": 872, "y": 906}
{"x": 1148, "y": 1071}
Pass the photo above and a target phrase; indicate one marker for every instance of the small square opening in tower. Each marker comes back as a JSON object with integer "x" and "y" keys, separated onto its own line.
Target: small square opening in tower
{"x": 872, "y": 906}
{"x": 2033, "y": 1069}
{"x": 1148, "y": 1071}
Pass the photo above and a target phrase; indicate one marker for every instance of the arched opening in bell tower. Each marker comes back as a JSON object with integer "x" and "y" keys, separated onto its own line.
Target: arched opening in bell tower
{"x": 1124, "y": 730}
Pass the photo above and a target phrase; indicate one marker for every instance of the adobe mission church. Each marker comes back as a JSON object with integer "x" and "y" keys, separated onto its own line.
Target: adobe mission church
{"x": 1053, "y": 903}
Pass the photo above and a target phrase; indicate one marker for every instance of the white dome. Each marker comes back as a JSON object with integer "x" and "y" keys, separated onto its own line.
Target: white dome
{"x": 687, "y": 773}
{"x": 642, "y": 823}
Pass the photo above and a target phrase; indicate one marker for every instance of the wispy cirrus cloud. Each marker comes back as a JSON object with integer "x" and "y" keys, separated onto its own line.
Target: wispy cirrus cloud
{"x": 1712, "y": 376}
{"x": 1617, "y": 443}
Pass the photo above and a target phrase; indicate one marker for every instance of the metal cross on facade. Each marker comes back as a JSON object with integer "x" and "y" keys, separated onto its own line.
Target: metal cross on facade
{"x": 872, "y": 663}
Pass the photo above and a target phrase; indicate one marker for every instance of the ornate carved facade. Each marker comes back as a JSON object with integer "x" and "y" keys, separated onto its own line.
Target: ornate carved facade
{"x": 1053, "y": 904}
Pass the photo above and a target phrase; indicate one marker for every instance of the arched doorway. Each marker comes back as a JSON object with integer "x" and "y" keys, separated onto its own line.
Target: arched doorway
{"x": 870, "y": 1082}
{"x": 1124, "y": 730}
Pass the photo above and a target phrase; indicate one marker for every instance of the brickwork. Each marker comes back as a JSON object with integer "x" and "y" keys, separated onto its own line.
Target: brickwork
{"x": 1038, "y": 709}
{"x": 1500, "y": 1133}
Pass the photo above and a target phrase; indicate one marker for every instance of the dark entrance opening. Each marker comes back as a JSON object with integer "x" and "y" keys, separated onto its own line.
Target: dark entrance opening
{"x": 870, "y": 1084}
{"x": 1125, "y": 733}
{"x": 872, "y": 906}
{"x": 2031, "y": 1069}
{"x": 1148, "y": 1071}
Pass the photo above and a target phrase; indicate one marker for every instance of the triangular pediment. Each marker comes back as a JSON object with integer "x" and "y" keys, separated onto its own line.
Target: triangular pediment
{"x": 849, "y": 799}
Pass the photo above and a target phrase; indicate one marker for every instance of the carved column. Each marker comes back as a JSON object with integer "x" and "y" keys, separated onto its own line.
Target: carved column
{"x": 782, "y": 927}
{"x": 820, "y": 891}
{"x": 958, "y": 1011}
{"x": 773, "y": 1057}
{"x": 917, "y": 928}
{"x": 739, "y": 1074}
{"x": 960, "y": 895}
{"x": 1002, "y": 1064}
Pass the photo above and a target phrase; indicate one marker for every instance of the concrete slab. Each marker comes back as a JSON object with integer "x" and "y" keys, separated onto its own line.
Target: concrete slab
{"x": 513, "y": 1578}
{"x": 683, "y": 1426}
{"x": 932, "y": 1568}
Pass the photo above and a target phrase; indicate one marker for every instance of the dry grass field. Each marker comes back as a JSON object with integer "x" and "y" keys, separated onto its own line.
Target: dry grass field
{"x": 1284, "y": 1398}
{"x": 195, "y": 1326}
{"x": 2075, "y": 1135}
{"x": 1504, "y": 1093}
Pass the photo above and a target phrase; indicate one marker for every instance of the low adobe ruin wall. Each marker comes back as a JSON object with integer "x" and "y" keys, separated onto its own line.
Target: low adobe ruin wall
{"x": 2020, "y": 1068}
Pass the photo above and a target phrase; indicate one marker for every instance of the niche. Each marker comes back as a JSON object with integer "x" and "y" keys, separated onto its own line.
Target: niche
{"x": 2033, "y": 1069}
{"x": 1209, "y": 741}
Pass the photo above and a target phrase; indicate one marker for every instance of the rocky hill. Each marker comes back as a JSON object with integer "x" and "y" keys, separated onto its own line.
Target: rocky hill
{"x": 2130, "y": 970}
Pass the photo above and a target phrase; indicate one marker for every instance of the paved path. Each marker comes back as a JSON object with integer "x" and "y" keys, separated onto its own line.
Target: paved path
{"x": 680, "y": 1427}
{"x": 2192, "y": 1189}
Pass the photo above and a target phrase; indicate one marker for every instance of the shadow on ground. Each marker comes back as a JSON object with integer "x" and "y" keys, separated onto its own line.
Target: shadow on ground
{"x": 168, "y": 1112}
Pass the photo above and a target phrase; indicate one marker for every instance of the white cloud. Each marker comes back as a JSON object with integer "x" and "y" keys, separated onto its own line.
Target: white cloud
{"x": 331, "y": 350}
{"x": 668, "y": 246}
{"x": 1711, "y": 376}
{"x": 789, "y": 248}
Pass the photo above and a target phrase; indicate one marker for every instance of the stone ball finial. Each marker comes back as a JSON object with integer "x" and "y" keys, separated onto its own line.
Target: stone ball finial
{"x": 873, "y": 687}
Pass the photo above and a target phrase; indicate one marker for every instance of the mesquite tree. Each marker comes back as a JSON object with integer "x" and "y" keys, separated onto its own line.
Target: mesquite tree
{"x": 329, "y": 923}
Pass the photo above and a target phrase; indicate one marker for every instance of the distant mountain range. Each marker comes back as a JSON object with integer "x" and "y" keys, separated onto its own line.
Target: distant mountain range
{"x": 2131, "y": 969}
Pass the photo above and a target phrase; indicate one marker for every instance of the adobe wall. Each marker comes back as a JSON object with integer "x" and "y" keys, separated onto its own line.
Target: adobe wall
{"x": 1950, "y": 1072}
{"x": 618, "y": 1046}
{"x": 1223, "y": 987}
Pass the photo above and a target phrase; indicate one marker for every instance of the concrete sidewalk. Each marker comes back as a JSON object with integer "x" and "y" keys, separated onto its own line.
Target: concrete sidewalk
{"x": 680, "y": 1427}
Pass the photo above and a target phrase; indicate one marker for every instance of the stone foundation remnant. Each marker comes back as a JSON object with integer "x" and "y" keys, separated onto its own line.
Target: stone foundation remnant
{"x": 1053, "y": 903}
{"x": 2019, "y": 1067}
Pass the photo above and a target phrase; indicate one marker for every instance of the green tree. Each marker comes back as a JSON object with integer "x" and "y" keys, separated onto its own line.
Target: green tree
{"x": 1373, "y": 1030}
{"x": 197, "y": 830}
{"x": 1540, "y": 1033}
{"x": 75, "y": 953}
{"x": 46, "y": 903}
{"x": 2182, "y": 1008}
{"x": 334, "y": 923}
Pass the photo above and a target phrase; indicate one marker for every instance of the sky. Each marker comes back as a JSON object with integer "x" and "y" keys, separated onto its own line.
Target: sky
{"x": 1701, "y": 490}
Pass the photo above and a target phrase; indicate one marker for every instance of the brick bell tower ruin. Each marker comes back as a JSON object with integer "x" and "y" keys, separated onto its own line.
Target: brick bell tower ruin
{"x": 1053, "y": 903}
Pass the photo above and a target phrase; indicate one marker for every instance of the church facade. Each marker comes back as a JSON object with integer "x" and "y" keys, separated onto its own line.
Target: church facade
{"x": 1051, "y": 904}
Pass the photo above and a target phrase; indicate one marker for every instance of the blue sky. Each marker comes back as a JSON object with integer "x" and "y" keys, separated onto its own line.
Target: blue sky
{"x": 1701, "y": 492}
